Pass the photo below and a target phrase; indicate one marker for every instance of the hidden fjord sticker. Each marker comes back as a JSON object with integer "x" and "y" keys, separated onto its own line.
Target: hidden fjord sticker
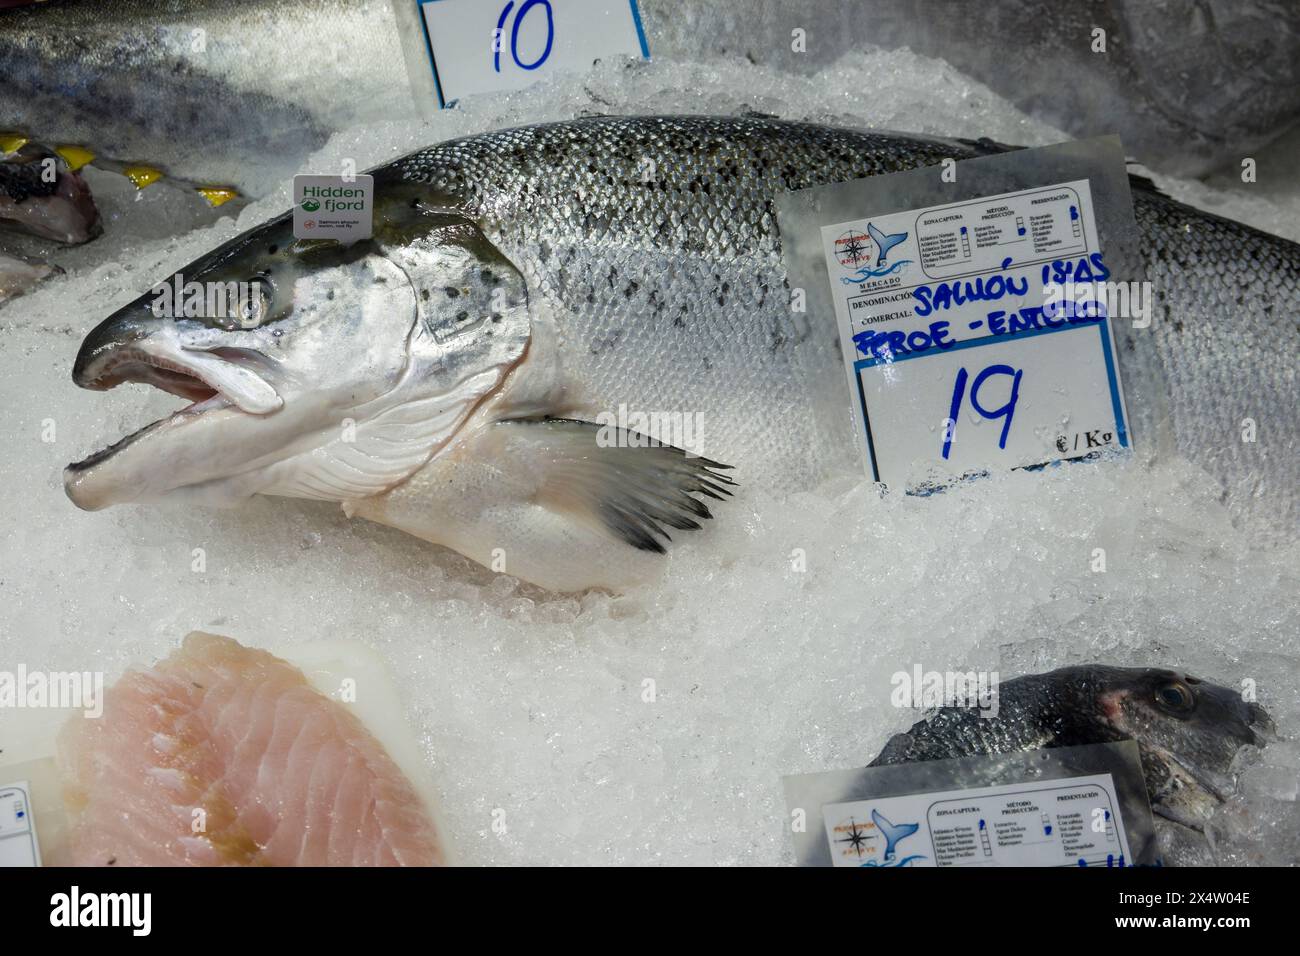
{"x": 333, "y": 207}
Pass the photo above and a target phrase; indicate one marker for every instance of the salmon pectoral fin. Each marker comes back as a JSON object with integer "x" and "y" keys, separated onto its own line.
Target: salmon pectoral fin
{"x": 621, "y": 481}
{"x": 564, "y": 504}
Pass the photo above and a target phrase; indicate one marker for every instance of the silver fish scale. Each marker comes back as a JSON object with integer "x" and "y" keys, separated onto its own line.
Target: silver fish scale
{"x": 1027, "y": 719}
{"x": 691, "y": 184}
{"x": 653, "y": 240}
{"x": 1227, "y": 331}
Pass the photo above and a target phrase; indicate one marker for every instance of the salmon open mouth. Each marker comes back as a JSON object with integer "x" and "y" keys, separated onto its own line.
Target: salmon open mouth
{"x": 136, "y": 366}
{"x": 219, "y": 379}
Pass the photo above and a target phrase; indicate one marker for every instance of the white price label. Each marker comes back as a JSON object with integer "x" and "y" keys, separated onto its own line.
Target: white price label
{"x": 482, "y": 46}
{"x": 18, "y": 846}
{"x": 1071, "y": 822}
{"x": 977, "y": 335}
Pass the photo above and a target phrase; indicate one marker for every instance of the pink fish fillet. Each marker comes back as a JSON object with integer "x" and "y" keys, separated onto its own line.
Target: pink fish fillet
{"x": 223, "y": 755}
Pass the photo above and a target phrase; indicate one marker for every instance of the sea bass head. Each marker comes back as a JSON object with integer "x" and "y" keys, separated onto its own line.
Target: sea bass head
{"x": 315, "y": 369}
{"x": 1191, "y": 734}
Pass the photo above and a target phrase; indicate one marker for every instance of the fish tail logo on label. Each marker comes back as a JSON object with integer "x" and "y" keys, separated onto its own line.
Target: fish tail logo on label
{"x": 867, "y": 253}
{"x": 883, "y": 242}
{"x": 893, "y": 834}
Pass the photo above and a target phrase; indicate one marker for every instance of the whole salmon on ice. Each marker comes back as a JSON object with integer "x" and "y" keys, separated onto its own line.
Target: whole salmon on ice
{"x": 483, "y": 371}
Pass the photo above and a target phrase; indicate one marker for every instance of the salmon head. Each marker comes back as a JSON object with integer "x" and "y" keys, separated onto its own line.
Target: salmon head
{"x": 314, "y": 369}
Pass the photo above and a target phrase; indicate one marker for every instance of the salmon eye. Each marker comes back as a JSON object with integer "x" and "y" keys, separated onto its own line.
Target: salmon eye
{"x": 253, "y": 303}
{"x": 1175, "y": 697}
{"x": 251, "y": 309}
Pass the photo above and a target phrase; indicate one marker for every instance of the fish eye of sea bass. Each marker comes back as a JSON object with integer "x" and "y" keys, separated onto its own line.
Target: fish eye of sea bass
{"x": 316, "y": 369}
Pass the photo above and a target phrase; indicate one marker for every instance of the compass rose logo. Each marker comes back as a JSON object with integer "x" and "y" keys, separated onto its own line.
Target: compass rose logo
{"x": 853, "y": 249}
{"x": 856, "y": 837}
